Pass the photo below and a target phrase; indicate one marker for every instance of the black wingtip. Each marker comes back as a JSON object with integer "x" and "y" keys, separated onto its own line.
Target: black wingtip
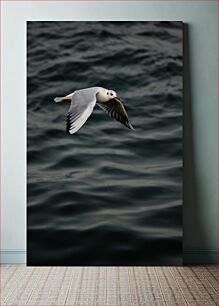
{"x": 129, "y": 125}
{"x": 68, "y": 124}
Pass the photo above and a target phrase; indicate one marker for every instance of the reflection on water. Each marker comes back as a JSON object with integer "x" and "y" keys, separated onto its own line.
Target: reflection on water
{"x": 106, "y": 195}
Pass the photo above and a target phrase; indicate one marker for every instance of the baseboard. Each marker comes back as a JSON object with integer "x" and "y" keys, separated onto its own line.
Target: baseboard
{"x": 12, "y": 256}
{"x": 190, "y": 257}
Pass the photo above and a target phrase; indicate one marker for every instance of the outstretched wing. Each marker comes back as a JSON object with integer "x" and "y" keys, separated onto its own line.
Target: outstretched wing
{"x": 115, "y": 109}
{"x": 82, "y": 105}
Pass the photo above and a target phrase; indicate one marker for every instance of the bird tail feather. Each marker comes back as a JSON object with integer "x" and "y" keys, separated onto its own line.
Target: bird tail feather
{"x": 58, "y": 99}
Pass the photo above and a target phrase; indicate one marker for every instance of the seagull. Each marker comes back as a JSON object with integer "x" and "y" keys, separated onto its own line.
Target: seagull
{"x": 83, "y": 102}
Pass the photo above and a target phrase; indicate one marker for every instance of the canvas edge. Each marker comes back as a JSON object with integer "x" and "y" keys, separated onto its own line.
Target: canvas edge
{"x": 190, "y": 257}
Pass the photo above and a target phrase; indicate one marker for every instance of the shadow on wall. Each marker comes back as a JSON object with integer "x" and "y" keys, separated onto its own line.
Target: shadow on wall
{"x": 192, "y": 225}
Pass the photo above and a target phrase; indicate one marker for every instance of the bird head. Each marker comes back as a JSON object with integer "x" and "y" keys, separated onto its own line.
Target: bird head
{"x": 105, "y": 95}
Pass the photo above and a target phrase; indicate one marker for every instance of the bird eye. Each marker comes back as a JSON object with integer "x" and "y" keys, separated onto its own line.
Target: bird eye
{"x": 111, "y": 94}
{"x": 107, "y": 93}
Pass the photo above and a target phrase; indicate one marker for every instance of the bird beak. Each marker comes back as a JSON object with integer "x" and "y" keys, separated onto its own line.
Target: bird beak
{"x": 117, "y": 98}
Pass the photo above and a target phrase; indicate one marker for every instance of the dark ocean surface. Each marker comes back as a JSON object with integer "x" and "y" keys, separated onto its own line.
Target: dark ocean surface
{"x": 106, "y": 195}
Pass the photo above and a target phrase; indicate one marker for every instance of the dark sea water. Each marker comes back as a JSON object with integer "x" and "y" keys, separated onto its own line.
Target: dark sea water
{"x": 106, "y": 195}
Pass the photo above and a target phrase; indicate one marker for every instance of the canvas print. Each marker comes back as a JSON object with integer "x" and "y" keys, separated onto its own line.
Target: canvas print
{"x": 104, "y": 143}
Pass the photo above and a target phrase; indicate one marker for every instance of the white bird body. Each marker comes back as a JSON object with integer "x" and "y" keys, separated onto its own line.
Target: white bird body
{"x": 83, "y": 102}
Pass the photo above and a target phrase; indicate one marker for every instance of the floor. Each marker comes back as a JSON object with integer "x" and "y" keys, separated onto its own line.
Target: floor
{"x": 79, "y": 286}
